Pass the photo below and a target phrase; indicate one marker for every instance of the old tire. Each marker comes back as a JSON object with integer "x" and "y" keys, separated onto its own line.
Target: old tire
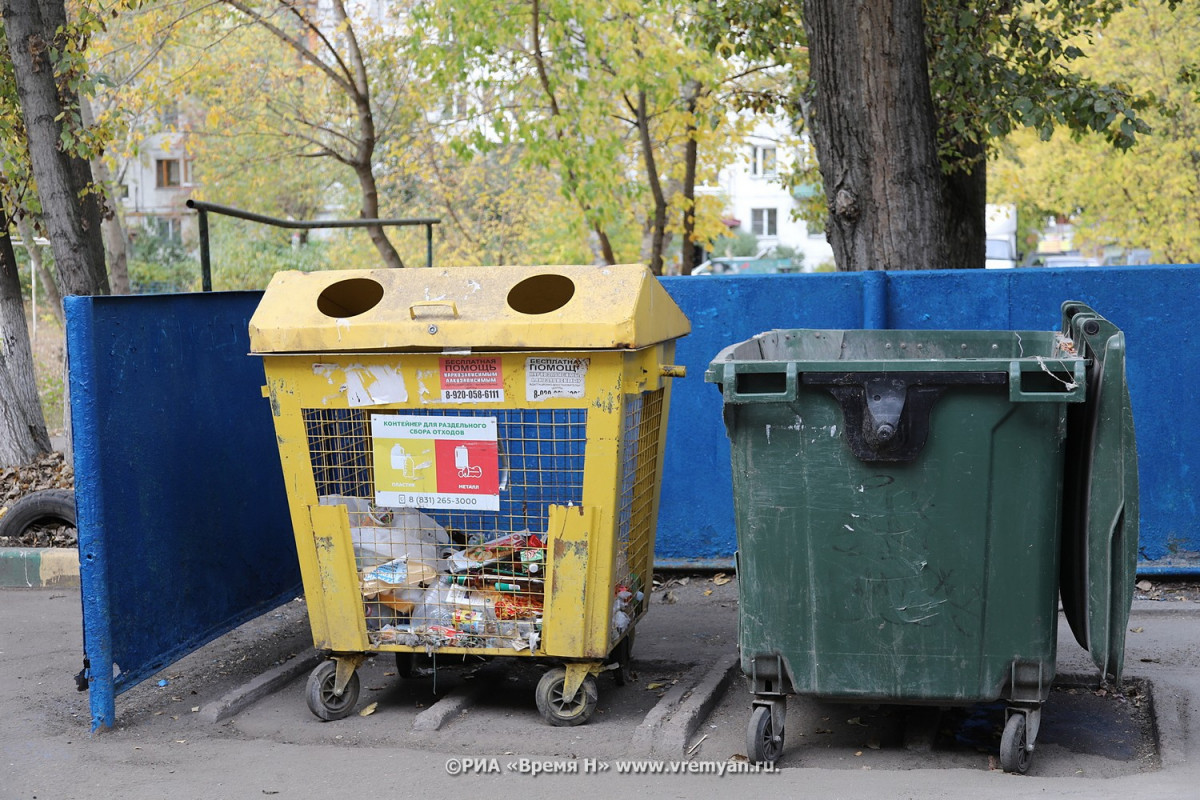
{"x": 322, "y": 701}
{"x": 1014, "y": 757}
{"x": 764, "y": 745}
{"x": 36, "y": 508}
{"x": 559, "y": 712}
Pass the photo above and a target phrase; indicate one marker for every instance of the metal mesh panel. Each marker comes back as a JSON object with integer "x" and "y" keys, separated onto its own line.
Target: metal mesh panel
{"x": 433, "y": 577}
{"x": 340, "y": 451}
{"x": 635, "y": 517}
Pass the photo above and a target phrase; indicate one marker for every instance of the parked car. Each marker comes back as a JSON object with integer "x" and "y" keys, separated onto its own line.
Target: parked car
{"x": 1063, "y": 260}
{"x": 744, "y": 265}
{"x": 999, "y": 254}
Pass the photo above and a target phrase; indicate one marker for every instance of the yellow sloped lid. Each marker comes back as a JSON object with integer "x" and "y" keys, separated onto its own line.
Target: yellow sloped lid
{"x": 481, "y": 308}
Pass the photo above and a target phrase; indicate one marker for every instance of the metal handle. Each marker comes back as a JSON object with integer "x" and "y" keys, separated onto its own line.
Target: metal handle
{"x": 672, "y": 371}
{"x": 438, "y": 304}
{"x": 736, "y": 391}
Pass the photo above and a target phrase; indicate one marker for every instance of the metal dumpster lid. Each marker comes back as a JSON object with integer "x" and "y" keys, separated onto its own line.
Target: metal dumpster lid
{"x": 481, "y": 308}
{"x": 1100, "y": 495}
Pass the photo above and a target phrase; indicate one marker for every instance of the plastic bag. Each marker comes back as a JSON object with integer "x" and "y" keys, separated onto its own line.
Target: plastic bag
{"x": 381, "y": 535}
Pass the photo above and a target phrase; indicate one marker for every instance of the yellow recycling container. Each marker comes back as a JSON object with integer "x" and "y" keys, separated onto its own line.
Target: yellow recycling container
{"x": 472, "y": 460}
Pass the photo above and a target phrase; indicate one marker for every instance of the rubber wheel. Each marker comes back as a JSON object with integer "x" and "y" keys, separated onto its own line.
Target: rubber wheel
{"x": 45, "y": 506}
{"x": 763, "y": 744}
{"x": 558, "y": 712}
{"x": 1013, "y": 755}
{"x": 406, "y": 665}
{"x": 623, "y": 654}
{"x": 322, "y": 701}
{"x": 413, "y": 665}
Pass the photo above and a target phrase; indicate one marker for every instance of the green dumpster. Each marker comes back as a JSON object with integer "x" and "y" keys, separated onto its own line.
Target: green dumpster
{"x": 910, "y": 505}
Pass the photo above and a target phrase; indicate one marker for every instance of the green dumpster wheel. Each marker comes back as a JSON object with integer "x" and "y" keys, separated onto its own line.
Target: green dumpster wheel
{"x": 1014, "y": 756}
{"x": 763, "y": 744}
{"x": 623, "y": 653}
{"x": 558, "y": 712}
{"x": 322, "y": 701}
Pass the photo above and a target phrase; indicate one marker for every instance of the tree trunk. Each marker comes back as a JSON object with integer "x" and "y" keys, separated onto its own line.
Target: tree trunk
{"x": 875, "y": 131}
{"x": 111, "y": 228}
{"x": 23, "y": 435}
{"x": 658, "y": 223}
{"x": 363, "y": 166}
{"x": 72, "y": 217}
{"x": 691, "y": 148}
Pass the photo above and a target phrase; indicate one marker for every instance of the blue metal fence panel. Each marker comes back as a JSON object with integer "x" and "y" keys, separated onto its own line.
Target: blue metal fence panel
{"x": 184, "y": 530}
{"x": 696, "y": 520}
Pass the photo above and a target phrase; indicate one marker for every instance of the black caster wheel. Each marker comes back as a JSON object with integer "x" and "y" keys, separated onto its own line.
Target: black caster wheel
{"x": 764, "y": 744}
{"x": 559, "y": 712}
{"x": 1014, "y": 756}
{"x": 322, "y": 701}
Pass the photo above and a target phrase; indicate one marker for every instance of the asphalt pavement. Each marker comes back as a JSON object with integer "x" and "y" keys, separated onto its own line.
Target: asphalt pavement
{"x": 231, "y": 721}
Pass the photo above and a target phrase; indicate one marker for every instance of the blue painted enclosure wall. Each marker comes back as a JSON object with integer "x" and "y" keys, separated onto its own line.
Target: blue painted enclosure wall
{"x": 183, "y": 525}
{"x": 1151, "y": 305}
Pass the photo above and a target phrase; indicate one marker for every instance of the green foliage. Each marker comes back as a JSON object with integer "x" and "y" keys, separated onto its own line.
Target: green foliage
{"x": 995, "y": 68}
{"x": 1149, "y": 195}
{"x": 591, "y": 93}
{"x": 49, "y": 375}
{"x": 738, "y": 244}
{"x": 158, "y": 265}
{"x": 245, "y": 256}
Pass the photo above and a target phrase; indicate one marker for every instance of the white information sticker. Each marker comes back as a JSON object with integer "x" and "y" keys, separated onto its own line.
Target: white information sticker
{"x": 555, "y": 377}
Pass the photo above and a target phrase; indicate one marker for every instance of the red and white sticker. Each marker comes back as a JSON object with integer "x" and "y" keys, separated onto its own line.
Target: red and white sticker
{"x": 471, "y": 379}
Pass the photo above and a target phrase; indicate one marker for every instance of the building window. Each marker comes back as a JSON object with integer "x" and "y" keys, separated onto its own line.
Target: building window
{"x": 168, "y": 229}
{"x": 456, "y": 106}
{"x": 168, "y": 173}
{"x": 762, "y": 161}
{"x": 763, "y": 221}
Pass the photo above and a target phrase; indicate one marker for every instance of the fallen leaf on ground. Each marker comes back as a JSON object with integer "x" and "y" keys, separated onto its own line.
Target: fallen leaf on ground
{"x": 369, "y": 710}
{"x": 720, "y": 579}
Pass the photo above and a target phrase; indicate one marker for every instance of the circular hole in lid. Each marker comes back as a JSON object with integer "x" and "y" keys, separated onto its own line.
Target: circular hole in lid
{"x": 541, "y": 294}
{"x": 349, "y": 298}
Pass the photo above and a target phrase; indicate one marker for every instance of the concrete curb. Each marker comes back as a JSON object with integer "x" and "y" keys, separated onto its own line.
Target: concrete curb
{"x": 672, "y": 734}
{"x": 1169, "y": 707}
{"x": 271, "y": 681}
{"x": 647, "y": 733}
{"x": 458, "y": 698}
{"x": 39, "y": 567}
